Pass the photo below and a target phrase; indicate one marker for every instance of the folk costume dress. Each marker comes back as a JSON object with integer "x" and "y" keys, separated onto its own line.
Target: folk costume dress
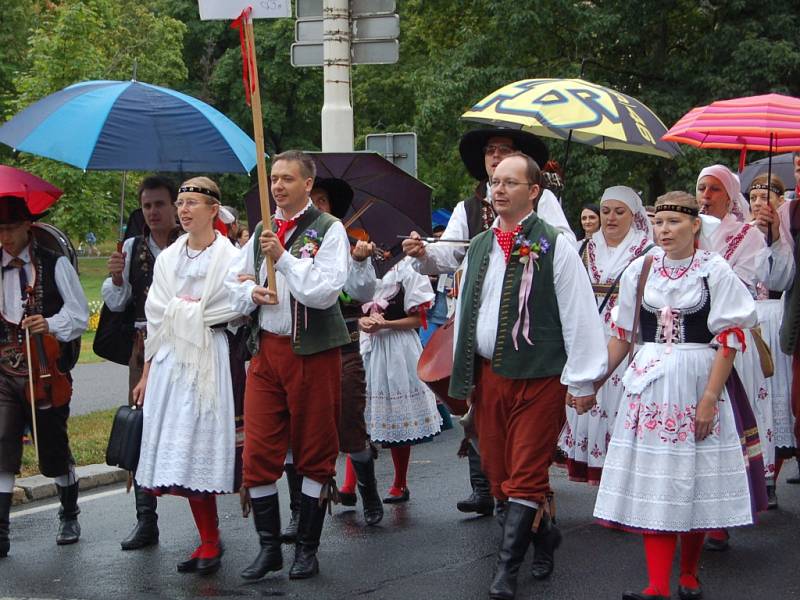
{"x": 400, "y": 408}
{"x": 656, "y": 476}
{"x": 585, "y": 437}
{"x": 189, "y": 435}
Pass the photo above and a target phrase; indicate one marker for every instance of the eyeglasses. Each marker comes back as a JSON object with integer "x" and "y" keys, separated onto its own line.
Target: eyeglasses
{"x": 191, "y": 203}
{"x": 501, "y": 149}
{"x": 509, "y": 184}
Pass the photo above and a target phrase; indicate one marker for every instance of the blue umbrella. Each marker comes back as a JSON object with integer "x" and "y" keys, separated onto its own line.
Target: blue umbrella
{"x": 129, "y": 125}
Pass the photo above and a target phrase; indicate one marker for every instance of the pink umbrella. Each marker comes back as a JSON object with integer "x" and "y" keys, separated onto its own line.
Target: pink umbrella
{"x": 769, "y": 122}
{"x": 39, "y": 195}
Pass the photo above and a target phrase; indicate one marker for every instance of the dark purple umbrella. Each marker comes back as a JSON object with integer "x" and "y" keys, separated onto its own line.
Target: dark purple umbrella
{"x": 400, "y": 203}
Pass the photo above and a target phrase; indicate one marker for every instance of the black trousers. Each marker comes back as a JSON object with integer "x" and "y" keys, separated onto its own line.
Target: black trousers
{"x": 55, "y": 457}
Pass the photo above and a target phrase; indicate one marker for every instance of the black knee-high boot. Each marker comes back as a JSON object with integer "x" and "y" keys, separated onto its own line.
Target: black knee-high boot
{"x": 145, "y": 532}
{"x": 368, "y": 488}
{"x": 295, "y": 482}
{"x": 312, "y": 517}
{"x": 480, "y": 501}
{"x": 515, "y": 541}
{"x": 69, "y": 530}
{"x": 267, "y": 519}
{"x": 5, "y": 514}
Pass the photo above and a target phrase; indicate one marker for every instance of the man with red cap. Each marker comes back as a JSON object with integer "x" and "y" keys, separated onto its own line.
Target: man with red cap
{"x": 41, "y": 294}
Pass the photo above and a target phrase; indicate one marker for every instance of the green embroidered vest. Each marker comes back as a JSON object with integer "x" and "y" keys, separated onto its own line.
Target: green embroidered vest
{"x": 546, "y": 356}
{"x": 315, "y": 330}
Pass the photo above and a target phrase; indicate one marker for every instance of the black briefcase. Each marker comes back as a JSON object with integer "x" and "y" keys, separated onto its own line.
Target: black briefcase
{"x": 125, "y": 438}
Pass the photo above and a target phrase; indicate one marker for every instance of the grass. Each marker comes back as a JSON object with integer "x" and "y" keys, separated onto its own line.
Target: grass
{"x": 88, "y": 438}
{"x": 93, "y": 272}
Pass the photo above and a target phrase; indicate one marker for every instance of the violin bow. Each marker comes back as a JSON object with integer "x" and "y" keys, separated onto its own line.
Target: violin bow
{"x": 434, "y": 240}
{"x": 34, "y": 428}
{"x": 359, "y": 212}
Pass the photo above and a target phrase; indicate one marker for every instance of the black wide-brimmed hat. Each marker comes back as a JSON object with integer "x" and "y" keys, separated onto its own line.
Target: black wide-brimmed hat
{"x": 13, "y": 209}
{"x": 473, "y": 143}
{"x": 340, "y": 194}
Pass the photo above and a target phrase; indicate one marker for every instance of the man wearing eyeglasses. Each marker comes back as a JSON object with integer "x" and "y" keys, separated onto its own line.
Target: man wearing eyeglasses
{"x": 527, "y": 335}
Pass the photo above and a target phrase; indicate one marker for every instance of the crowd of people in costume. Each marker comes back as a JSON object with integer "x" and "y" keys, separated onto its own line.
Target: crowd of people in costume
{"x": 655, "y": 352}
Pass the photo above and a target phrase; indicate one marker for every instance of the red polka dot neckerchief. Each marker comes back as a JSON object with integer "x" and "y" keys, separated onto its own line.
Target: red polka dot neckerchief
{"x": 506, "y": 240}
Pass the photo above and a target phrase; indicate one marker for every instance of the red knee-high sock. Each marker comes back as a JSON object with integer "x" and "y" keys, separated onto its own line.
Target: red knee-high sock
{"x": 691, "y": 547}
{"x": 778, "y": 465}
{"x": 659, "y": 550}
{"x": 204, "y": 511}
{"x": 350, "y": 478}
{"x": 400, "y": 458}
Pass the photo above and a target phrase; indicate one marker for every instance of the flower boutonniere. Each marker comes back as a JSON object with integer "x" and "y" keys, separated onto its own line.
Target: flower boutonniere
{"x": 528, "y": 250}
{"x": 311, "y": 243}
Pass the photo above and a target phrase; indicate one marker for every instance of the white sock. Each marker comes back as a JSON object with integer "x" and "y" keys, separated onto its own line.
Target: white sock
{"x": 363, "y": 456}
{"x": 262, "y": 491}
{"x": 289, "y": 460}
{"x": 6, "y": 482}
{"x": 525, "y": 502}
{"x": 67, "y": 479}
{"x": 311, "y": 488}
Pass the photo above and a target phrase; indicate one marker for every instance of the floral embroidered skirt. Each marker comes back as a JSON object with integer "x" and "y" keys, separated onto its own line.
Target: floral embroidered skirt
{"x": 400, "y": 408}
{"x": 656, "y": 476}
{"x": 585, "y": 437}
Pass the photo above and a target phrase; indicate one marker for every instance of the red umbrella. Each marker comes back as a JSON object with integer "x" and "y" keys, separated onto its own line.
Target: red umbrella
{"x": 769, "y": 122}
{"x": 39, "y": 195}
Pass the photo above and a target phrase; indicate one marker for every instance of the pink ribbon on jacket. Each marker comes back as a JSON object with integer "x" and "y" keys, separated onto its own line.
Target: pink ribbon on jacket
{"x": 525, "y": 289}
{"x": 376, "y": 306}
{"x": 668, "y": 327}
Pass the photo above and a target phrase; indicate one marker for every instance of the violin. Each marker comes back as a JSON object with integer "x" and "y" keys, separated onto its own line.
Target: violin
{"x": 356, "y": 234}
{"x": 51, "y": 387}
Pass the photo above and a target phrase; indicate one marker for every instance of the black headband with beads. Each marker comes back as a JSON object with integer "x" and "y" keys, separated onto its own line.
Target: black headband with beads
{"x": 687, "y": 210}
{"x": 764, "y": 186}
{"x": 199, "y": 190}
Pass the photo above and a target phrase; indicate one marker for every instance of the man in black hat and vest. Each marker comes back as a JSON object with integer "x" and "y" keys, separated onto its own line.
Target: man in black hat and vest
{"x": 481, "y": 151}
{"x": 130, "y": 275}
{"x": 40, "y": 293}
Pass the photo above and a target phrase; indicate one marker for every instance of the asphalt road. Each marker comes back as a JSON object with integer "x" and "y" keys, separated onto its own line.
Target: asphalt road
{"x": 424, "y": 549}
{"x": 98, "y": 386}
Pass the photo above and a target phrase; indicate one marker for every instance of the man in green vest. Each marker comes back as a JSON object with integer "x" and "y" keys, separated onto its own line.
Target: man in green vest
{"x": 527, "y": 336}
{"x": 293, "y": 389}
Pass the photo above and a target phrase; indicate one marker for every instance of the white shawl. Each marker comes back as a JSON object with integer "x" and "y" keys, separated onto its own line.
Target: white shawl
{"x": 185, "y": 325}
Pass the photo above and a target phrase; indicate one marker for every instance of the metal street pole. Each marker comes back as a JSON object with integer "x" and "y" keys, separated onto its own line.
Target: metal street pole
{"x": 337, "y": 113}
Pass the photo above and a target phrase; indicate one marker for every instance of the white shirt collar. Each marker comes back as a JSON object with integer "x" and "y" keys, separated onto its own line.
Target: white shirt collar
{"x": 24, "y": 256}
{"x": 279, "y": 212}
{"x": 496, "y": 222}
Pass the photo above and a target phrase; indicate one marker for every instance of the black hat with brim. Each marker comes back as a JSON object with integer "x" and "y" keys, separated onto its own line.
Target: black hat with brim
{"x": 473, "y": 142}
{"x": 13, "y": 209}
{"x": 340, "y": 194}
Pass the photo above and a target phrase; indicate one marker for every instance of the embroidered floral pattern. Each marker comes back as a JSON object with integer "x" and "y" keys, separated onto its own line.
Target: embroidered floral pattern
{"x": 732, "y": 241}
{"x": 311, "y": 243}
{"x": 672, "y": 423}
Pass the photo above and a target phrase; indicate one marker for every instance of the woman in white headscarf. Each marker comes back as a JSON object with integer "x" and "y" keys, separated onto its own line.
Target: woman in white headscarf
{"x": 625, "y": 234}
{"x": 745, "y": 249}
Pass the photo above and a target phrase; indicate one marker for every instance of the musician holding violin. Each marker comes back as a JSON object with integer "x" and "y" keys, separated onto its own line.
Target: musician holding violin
{"x": 42, "y": 308}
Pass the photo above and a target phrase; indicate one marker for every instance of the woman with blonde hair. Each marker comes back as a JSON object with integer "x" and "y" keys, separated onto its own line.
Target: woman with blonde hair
{"x": 189, "y": 437}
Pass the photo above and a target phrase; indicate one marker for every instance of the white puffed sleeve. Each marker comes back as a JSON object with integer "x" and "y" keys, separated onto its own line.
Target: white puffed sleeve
{"x": 622, "y": 315}
{"x": 417, "y": 290}
{"x": 732, "y": 307}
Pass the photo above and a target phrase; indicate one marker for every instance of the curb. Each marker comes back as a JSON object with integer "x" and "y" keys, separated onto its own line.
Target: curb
{"x": 37, "y": 487}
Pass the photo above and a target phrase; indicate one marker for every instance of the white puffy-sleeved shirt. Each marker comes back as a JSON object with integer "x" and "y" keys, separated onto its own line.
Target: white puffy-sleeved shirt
{"x": 679, "y": 285}
{"x": 315, "y": 282}
{"x": 781, "y": 254}
{"x": 743, "y": 246}
{"x": 116, "y": 297}
{"x": 584, "y": 337}
{"x": 69, "y": 322}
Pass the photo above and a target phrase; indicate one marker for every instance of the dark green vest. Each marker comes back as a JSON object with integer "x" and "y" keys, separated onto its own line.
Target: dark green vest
{"x": 546, "y": 356}
{"x": 316, "y": 330}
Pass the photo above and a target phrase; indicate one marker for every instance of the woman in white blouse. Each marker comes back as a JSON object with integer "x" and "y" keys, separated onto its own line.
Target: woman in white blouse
{"x": 675, "y": 465}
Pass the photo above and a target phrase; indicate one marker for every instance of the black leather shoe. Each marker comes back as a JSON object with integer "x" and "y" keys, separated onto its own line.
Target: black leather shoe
{"x": 685, "y": 593}
{"x": 208, "y": 566}
{"x": 641, "y": 596}
{"x": 545, "y": 541}
{"x": 403, "y": 497}
{"x": 368, "y": 488}
{"x": 267, "y": 519}
{"x": 312, "y": 517}
{"x": 772, "y": 498}
{"x": 513, "y": 545}
{"x": 347, "y": 499}
{"x": 69, "y": 530}
{"x": 295, "y": 481}
{"x": 5, "y": 513}
{"x": 188, "y": 566}
{"x": 477, "y": 503}
{"x": 715, "y": 545}
{"x": 145, "y": 532}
